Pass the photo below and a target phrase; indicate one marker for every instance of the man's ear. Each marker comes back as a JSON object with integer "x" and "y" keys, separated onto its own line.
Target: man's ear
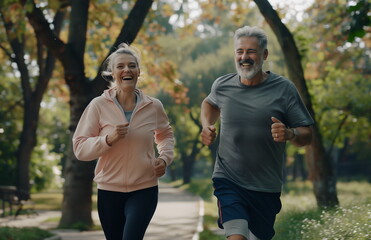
{"x": 265, "y": 54}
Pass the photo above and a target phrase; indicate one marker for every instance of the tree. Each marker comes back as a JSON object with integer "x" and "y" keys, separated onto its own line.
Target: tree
{"x": 77, "y": 204}
{"x": 20, "y": 44}
{"x": 338, "y": 78}
{"x": 320, "y": 166}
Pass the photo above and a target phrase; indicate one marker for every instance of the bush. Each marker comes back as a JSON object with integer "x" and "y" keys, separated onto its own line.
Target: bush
{"x": 28, "y": 233}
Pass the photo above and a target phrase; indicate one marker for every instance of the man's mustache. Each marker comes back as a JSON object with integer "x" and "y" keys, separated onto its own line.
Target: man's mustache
{"x": 248, "y": 61}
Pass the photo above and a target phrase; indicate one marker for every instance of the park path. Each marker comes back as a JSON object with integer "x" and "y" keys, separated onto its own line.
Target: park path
{"x": 178, "y": 216}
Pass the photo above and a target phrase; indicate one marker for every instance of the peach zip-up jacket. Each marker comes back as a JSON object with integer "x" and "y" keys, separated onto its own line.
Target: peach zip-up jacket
{"x": 128, "y": 164}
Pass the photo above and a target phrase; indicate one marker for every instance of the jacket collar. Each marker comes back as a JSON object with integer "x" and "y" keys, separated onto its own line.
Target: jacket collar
{"x": 111, "y": 93}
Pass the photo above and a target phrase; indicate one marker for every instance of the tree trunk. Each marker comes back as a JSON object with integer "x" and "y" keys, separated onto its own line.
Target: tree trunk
{"x": 26, "y": 146}
{"x": 188, "y": 160}
{"x": 321, "y": 173}
{"x": 187, "y": 169}
{"x": 319, "y": 164}
{"x": 77, "y": 193}
{"x": 78, "y": 175}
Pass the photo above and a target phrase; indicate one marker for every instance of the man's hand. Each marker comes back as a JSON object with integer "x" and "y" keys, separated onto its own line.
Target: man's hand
{"x": 160, "y": 167}
{"x": 118, "y": 133}
{"x": 279, "y": 131}
{"x": 208, "y": 135}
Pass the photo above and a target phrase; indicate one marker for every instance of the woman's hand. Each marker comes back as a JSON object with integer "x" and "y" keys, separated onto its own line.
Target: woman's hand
{"x": 118, "y": 133}
{"x": 160, "y": 167}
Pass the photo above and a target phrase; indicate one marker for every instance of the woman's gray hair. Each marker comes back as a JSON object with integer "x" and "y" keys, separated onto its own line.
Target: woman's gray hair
{"x": 248, "y": 31}
{"x": 123, "y": 48}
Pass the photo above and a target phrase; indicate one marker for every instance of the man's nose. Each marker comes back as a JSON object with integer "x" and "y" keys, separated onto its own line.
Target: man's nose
{"x": 245, "y": 55}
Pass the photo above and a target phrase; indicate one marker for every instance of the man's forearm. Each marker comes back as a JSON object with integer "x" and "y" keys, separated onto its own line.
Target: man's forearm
{"x": 300, "y": 136}
{"x": 209, "y": 114}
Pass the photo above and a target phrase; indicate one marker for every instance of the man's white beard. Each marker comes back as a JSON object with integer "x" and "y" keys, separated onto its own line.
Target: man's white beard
{"x": 248, "y": 74}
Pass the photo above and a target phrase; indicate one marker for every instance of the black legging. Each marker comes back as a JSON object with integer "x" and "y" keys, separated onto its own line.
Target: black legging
{"x": 125, "y": 216}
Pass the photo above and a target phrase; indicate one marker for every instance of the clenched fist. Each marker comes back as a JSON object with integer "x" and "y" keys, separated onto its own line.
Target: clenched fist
{"x": 160, "y": 167}
{"x": 118, "y": 133}
{"x": 208, "y": 135}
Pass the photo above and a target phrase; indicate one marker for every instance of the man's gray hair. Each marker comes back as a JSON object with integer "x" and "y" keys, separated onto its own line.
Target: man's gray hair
{"x": 248, "y": 31}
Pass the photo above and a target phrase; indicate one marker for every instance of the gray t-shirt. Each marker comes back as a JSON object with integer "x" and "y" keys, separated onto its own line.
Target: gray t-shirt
{"x": 247, "y": 154}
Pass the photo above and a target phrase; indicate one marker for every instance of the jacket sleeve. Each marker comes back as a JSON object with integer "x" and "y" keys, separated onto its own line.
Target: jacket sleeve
{"x": 164, "y": 137}
{"x": 87, "y": 144}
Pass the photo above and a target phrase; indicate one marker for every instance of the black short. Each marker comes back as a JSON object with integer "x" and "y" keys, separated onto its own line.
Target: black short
{"x": 258, "y": 208}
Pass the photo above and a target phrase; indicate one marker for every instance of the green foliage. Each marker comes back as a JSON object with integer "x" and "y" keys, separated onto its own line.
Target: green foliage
{"x": 11, "y": 233}
{"x": 341, "y": 94}
{"x": 10, "y": 123}
{"x": 209, "y": 235}
{"x": 42, "y": 165}
{"x": 200, "y": 187}
{"x": 81, "y": 226}
{"x": 359, "y": 18}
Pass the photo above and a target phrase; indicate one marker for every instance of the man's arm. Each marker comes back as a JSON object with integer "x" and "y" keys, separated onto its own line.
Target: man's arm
{"x": 209, "y": 116}
{"x": 299, "y": 136}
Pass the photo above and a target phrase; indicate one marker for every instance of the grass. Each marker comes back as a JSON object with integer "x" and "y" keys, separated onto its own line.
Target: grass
{"x": 48, "y": 201}
{"x": 11, "y": 233}
{"x": 52, "y": 200}
{"x": 300, "y": 219}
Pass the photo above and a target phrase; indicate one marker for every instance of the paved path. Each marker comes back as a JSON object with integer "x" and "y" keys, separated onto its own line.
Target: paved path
{"x": 178, "y": 216}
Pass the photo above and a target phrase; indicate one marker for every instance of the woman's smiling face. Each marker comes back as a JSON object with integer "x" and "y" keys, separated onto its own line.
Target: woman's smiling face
{"x": 125, "y": 71}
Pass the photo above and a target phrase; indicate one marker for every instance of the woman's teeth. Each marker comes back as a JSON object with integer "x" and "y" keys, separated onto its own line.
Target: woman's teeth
{"x": 127, "y": 78}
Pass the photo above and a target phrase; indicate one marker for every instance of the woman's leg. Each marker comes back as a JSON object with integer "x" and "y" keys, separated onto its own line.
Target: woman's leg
{"x": 111, "y": 213}
{"x": 139, "y": 210}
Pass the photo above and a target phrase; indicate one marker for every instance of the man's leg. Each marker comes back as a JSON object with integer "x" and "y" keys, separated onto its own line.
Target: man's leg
{"x": 252, "y": 236}
{"x": 237, "y": 229}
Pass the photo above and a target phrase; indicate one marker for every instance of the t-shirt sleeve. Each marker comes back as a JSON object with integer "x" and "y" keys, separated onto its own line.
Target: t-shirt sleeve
{"x": 297, "y": 113}
{"x": 212, "y": 98}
